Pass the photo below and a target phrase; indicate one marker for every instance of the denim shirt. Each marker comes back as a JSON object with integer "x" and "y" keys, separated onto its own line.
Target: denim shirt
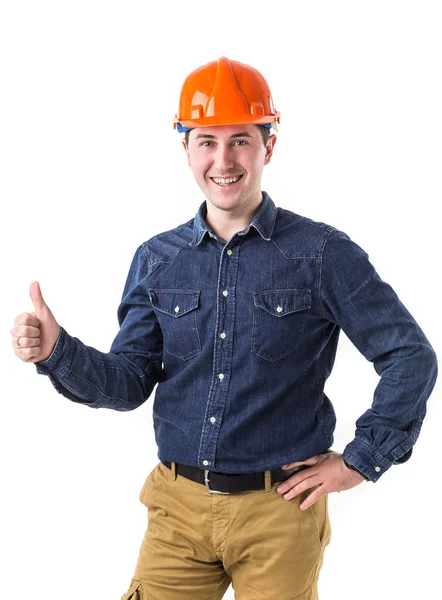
{"x": 241, "y": 336}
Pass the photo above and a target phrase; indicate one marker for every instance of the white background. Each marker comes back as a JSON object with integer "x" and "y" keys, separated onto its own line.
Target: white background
{"x": 91, "y": 167}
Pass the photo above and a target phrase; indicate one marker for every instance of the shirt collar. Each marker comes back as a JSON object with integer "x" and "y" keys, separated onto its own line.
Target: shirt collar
{"x": 263, "y": 221}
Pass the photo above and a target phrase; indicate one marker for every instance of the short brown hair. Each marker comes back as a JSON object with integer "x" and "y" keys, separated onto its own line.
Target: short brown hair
{"x": 265, "y": 131}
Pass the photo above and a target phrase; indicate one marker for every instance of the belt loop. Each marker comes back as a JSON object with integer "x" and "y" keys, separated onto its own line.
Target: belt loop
{"x": 268, "y": 481}
{"x": 173, "y": 470}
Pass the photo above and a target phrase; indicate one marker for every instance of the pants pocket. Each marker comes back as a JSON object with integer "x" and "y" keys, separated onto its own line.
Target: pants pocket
{"x": 144, "y": 490}
{"x": 135, "y": 592}
{"x": 320, "y": 515}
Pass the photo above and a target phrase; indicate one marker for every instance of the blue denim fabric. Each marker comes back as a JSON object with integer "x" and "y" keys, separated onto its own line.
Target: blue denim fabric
{"x": 240, "y": 337}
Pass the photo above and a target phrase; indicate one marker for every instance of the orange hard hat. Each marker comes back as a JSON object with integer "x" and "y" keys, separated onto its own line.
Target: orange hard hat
{"x": 225, "y": 92}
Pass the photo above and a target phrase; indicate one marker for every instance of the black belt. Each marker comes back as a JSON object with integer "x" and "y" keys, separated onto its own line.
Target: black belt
{"x": 226, "y": 483}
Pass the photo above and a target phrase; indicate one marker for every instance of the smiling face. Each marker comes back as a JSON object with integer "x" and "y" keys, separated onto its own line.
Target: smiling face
{"x": 227, "y": 163}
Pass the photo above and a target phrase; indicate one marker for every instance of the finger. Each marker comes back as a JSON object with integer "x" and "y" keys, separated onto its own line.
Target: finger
{"x": 313, "y": 497}
{"x": 25, "y": 331}
{"x": 292, "y": 488}
{"x": 28, "y": 354}
{"x": 296, "y": 479}
{"x": 27, "y": 342}
{"x": 27, "y": 319}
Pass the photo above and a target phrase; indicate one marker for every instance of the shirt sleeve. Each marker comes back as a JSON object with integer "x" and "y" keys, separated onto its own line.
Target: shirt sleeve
{"x": 123, "y": 378}
{"x": 370, "y": 313}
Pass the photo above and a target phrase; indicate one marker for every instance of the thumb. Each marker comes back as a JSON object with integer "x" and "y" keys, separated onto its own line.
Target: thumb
{"x": 37, "y": 298}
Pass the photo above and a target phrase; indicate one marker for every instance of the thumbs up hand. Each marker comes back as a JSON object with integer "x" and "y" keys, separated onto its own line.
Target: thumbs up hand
{"x": 35, "y": 333}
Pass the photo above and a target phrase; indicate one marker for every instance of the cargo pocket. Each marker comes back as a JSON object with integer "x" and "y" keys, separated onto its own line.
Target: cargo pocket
{"x": 135, "y": 592}
{"x": 176, "y": 311}
{"x": 279, "y": 321}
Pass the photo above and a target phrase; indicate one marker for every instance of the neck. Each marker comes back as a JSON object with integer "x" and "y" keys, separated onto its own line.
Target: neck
{"x": 226, "y": 223}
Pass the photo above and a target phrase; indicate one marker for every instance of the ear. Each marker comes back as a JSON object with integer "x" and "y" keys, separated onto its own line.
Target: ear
{"x": 186, "y": 149}
{"x": 269, "y": 148}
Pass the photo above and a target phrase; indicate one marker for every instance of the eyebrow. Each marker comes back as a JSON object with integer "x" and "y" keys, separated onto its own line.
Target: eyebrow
{"x": 213, "y": 137}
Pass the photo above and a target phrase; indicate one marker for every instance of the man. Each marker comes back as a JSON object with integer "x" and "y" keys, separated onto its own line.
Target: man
{"x": 236, "y": 315}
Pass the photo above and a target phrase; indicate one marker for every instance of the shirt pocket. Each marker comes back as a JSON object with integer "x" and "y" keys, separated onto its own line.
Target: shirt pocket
{"x": 279, "y": 321}
{"x": 176, "y": 311}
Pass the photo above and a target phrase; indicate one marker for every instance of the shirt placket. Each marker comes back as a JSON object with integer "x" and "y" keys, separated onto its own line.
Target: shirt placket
{"x": 222, "y": 353}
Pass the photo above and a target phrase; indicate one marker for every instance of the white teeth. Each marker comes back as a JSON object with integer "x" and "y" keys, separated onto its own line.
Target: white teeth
{"x": 226, "y": 181}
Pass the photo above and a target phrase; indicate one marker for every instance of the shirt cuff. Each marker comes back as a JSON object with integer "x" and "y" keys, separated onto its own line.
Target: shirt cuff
{"x": 59, "y": 356}
{"x": 403, "y": 458}
{"x": 366, "y": 459}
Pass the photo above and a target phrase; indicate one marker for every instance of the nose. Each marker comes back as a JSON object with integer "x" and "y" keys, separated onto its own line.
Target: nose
{"x": 223, "y": 159}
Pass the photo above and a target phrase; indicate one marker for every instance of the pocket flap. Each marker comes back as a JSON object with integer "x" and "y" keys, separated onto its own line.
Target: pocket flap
{"x": 282, "y": 302}
{"x": 174, "y": 302}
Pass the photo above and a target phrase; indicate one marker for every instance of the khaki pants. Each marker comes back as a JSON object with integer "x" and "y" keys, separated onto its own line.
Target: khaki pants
{"x": 197, "y": 543}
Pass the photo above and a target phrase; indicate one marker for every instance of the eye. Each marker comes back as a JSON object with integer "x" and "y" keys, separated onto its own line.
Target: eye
{"x": 235, "y": 142}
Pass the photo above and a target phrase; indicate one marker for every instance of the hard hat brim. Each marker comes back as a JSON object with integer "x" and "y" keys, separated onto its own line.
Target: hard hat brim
{"x": 219, "y": 122}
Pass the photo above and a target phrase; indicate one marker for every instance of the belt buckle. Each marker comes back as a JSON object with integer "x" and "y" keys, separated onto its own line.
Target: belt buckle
{"x": 206, "y": 479}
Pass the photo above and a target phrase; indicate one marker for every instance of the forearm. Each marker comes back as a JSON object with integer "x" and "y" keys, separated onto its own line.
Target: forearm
{"x": 108, "y": 380}
{"x": 386, "y": 433}
{"x": 369, "y": 311}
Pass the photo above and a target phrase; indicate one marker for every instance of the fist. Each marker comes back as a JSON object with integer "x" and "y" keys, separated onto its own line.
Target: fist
{"x": 34, "y": 334}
